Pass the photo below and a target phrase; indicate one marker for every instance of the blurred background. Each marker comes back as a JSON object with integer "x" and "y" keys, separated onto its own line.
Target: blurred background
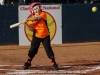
{"x": 51, "y": 1}
{"x": 79, "y": 23}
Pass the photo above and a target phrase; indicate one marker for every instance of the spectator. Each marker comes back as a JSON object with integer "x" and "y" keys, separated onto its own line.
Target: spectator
{"x": 2, "y": 2}
{"x": 21, "y": 2}
{"x": 86, "y": 1}
{"x": 91, "y": 1}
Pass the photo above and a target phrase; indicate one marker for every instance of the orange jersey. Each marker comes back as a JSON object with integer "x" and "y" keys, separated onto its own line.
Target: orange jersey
{"x": 40, "y": 27}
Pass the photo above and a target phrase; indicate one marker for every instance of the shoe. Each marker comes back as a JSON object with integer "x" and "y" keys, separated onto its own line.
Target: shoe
{"x": 26, "y": 65}
{"x": 55, "y": 66}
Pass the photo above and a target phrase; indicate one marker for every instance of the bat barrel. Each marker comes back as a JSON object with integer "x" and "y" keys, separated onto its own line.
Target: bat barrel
{"x": 14, "y": 25}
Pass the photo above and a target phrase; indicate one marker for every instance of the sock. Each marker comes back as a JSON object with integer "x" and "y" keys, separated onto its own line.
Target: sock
{"x": 29, "y": 60}
{"x": 52, "y": 60}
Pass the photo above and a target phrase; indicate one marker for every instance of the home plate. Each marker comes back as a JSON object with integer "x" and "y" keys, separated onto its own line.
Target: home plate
{"x": 46, "y": 70}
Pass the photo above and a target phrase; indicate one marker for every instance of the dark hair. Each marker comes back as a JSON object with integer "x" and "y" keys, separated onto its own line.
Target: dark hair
{"x": 35, "y": 5}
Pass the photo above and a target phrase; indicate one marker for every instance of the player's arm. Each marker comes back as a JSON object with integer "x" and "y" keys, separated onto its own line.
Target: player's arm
{"x": 30, "y": 28}
{"x": 42, "y": 16}
{"x": 35, "y": 18}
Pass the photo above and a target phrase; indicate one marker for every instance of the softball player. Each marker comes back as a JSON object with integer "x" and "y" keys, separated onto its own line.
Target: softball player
{"x": 40, "y": 34}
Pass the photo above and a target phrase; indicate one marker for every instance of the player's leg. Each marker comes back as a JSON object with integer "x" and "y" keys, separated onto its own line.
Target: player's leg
{"x": 49, "y": 51}
{"x": 32, "y": 52}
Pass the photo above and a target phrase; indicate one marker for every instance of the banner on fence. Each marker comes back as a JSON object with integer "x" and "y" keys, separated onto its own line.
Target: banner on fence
{"x": 54, "y": 20}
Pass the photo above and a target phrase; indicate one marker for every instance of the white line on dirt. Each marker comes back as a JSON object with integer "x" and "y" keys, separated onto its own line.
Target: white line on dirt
{"x": 45, "y": 72}
{"x": 24, "y": 72}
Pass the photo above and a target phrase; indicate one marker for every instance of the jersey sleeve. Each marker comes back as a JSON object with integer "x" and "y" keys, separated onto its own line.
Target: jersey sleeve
{"x": 43, "y": 15}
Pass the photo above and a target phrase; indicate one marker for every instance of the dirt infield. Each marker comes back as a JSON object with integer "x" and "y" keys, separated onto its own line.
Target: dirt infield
{"x": 73, "y": 59}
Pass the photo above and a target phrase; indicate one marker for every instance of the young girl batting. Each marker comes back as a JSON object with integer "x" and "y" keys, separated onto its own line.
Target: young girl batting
{"x": 40, "y": 34}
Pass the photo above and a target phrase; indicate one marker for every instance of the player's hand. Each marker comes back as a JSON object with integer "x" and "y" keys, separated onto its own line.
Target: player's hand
{"x": 23, "y": 21}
